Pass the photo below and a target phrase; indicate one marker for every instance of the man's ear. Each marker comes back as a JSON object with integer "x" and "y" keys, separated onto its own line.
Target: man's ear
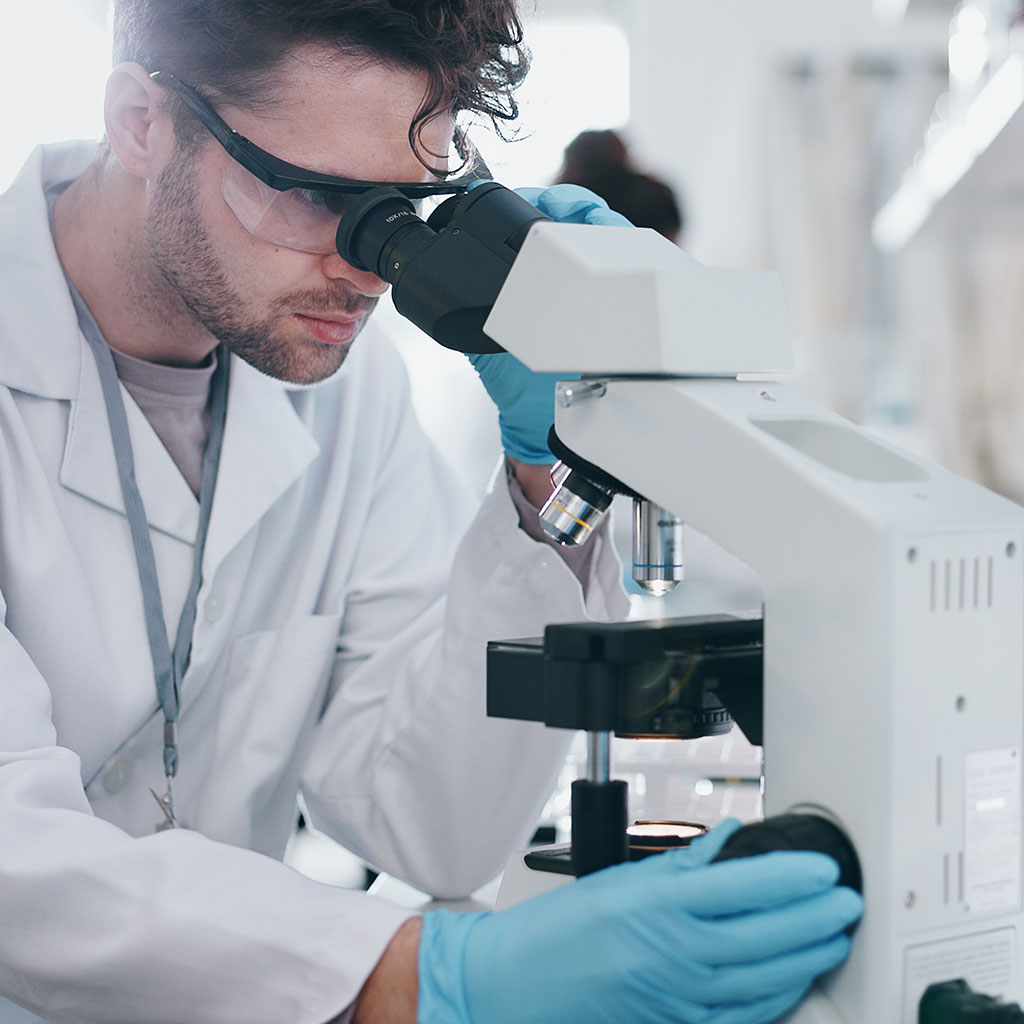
{"x": 140, "y": 132}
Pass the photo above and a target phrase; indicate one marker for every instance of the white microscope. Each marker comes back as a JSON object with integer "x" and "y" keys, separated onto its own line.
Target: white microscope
{"x": 893, "y": 630}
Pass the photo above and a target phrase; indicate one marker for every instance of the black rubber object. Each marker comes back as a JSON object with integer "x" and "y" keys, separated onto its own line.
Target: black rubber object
{"x": 954, "y": 1002}
{"x": 797, "y": 832}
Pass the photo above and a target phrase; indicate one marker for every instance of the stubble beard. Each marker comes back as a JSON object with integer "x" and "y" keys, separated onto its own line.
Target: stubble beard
{"x": 184, "y": 257}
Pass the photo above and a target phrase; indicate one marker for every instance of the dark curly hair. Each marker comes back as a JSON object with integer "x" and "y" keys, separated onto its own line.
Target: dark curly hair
{"x": 471, "y": 50}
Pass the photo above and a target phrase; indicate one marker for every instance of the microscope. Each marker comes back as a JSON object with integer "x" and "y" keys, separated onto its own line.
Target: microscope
{"x": 887, "y": 675}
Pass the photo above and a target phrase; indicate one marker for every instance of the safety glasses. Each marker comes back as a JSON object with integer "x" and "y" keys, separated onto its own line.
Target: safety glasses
{"x": 291, "y": 206}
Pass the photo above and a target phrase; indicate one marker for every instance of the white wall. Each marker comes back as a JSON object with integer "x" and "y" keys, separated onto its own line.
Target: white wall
{"x": 54, "y": 61}
{"x": 698, "y": 80}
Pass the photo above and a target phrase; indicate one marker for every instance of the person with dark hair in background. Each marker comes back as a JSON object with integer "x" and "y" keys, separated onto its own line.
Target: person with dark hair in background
{"x": 600, "y": 162}
{"x": 233, "y": 572}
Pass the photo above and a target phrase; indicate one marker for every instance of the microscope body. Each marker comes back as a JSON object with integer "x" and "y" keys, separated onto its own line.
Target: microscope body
{"x": 893, "y": 661}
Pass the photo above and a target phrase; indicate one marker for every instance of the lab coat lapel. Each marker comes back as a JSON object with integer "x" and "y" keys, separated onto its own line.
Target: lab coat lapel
{"x": 266, "y": 448}
{"x": 90, "y": 468}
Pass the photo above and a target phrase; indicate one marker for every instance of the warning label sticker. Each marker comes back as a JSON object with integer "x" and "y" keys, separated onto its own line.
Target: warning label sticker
{"x": 992, "y": 830}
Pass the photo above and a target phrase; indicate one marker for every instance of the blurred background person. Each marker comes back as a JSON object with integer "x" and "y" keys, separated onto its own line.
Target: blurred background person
{"x": 600, "y": 161}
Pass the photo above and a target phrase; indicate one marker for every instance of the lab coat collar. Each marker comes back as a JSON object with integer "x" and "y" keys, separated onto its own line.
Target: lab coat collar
{"x": 266, "y": 448}
{"x": 266, "y": 444}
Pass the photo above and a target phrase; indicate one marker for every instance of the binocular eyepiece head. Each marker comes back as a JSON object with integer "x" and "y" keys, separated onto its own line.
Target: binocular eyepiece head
{"x": 447, "y": 270}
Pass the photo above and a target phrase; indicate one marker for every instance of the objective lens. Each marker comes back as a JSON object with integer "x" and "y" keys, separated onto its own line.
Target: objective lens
{"x": 575, "y": 507}
{"x": 657, "y": 548}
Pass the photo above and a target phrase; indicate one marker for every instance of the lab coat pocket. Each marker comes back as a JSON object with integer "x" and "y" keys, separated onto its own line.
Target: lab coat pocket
{"x": 271, "y": 697}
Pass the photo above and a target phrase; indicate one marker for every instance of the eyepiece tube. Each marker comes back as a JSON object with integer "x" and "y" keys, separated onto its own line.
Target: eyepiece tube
{"x": 381, "y": 232}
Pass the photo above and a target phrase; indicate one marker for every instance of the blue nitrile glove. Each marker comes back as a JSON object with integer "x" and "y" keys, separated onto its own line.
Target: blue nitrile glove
{"x": 572, "y": 204}
{"x": 672, "y": 939}
{"x": 526, "y": 400}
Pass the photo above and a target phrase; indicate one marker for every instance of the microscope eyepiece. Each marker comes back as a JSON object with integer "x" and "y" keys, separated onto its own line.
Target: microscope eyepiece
{"x": 375, "y": 226}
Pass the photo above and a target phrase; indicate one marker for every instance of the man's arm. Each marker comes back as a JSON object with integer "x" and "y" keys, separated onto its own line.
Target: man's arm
{"x": 535, "y": 481}
{"x": 389, "y": 995}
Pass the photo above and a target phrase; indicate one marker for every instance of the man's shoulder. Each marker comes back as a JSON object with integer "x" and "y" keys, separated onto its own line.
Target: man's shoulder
{"x": 48, "y": 166}
{"x": 38, "y": 327}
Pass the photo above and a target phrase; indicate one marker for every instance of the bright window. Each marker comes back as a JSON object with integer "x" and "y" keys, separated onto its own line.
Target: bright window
{"x": 54, "y": 63}
{"x": 579, "y": 80}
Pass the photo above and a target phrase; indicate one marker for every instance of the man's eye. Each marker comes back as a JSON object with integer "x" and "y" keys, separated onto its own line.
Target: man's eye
{"x": 310, "y": 197}
{"x": 321, "y": 201}
{"x": 338, "y": 202}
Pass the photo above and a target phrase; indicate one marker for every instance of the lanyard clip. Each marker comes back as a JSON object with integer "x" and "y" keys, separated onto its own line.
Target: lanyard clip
{"x": 166, "y": 803}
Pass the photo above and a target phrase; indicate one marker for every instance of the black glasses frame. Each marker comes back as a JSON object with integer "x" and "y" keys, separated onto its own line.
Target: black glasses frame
{"x": 283, "y": 176}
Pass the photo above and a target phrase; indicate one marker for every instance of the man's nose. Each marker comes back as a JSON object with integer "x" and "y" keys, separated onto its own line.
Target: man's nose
{"x": 334, "y": 268}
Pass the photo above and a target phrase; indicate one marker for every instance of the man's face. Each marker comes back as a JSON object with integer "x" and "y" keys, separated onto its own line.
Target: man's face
{"x": 290, "y": 314}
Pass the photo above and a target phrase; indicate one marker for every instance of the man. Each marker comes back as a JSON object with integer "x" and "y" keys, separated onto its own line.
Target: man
{"x": 231, "y": 570}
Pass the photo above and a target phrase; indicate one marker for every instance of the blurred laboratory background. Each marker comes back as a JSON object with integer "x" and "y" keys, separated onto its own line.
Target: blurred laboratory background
{"x": 870, "y": 151}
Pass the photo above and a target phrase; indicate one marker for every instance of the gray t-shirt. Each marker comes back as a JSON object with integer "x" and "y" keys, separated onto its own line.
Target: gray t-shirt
{"x": 176, "y": 401}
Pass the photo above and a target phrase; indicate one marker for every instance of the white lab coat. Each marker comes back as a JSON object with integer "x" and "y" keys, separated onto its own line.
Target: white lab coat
{"x": 325, "y": 658}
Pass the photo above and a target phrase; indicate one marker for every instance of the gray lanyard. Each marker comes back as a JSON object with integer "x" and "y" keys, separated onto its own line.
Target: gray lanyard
{"x": 168, "y": 666}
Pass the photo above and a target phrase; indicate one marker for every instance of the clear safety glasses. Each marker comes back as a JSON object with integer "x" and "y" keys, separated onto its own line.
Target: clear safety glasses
{"x": 289, "y": 205}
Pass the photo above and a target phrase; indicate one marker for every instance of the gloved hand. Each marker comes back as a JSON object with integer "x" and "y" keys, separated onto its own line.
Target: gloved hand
{"x": 572, "y": 204}
{"x": 526, "y": 400}
{"x": 672, "y": 939}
